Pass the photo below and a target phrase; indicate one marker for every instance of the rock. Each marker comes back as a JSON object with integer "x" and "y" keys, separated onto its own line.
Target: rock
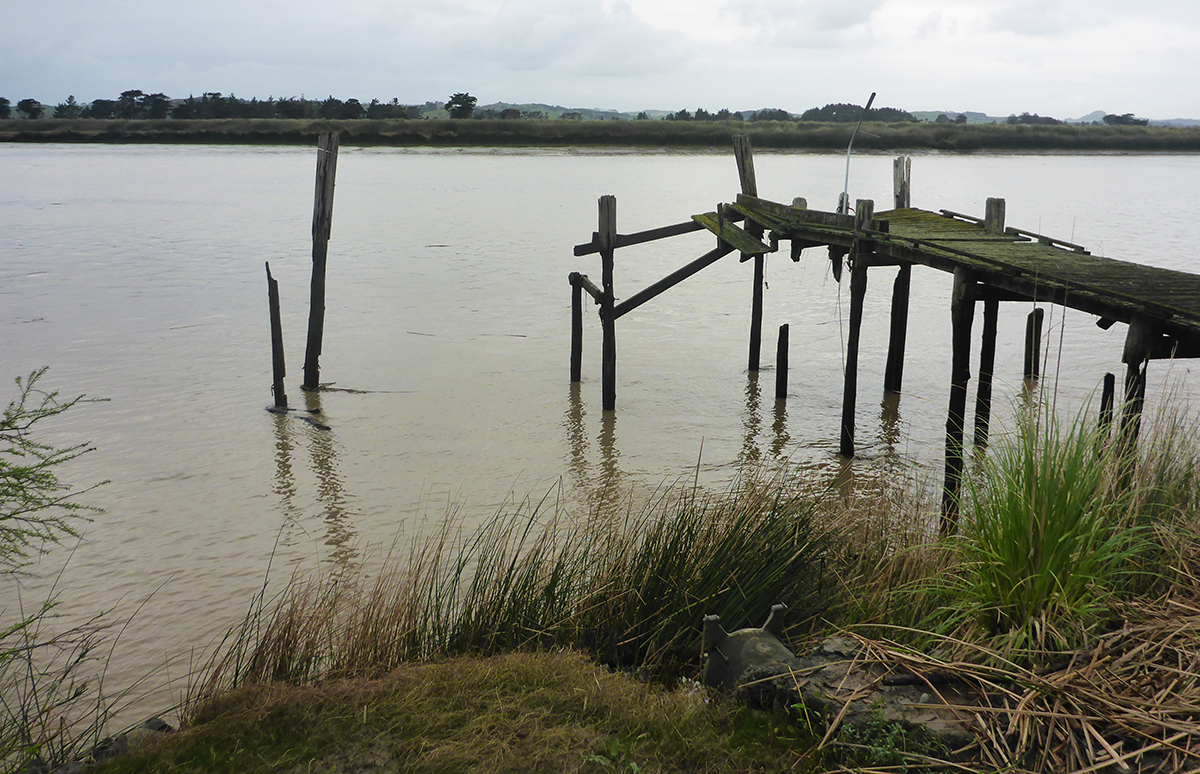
{"x": 834, "y": 681}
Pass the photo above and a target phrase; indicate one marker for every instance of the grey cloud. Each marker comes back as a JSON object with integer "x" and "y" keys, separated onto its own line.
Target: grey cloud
{"x": 579, "y": 39}
{"x": 805, "y": 23}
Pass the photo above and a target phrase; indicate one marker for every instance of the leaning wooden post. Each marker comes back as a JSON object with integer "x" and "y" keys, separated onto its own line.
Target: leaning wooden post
{"x": 962, "y": 314}
{"x": 278, "y": 364}
{"x": 987, "y": 367}
{"x": 893, "y": 374}
{"x": 327, "y": 148}
{"x": 1033, "y": 343}
{"x": 745, "y": 164}
{"x": 607, "y": 233}
{"x": 781, "y": 364}
{"x": 864, "y": 212}
{"x": 576, "y": 326}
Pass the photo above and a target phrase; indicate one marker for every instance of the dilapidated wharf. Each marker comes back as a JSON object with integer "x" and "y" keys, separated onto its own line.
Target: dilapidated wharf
{"x": 991, "y": 263}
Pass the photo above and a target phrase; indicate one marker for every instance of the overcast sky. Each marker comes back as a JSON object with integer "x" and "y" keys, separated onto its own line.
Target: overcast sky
{"x": 1062, "y": 58}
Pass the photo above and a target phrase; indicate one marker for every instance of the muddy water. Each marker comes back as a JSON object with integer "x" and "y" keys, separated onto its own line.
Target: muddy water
{"x": 136, "y": 274}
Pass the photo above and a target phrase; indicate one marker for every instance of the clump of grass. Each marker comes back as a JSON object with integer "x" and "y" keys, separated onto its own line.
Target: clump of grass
{"x": 1050, "y": 540}
{"x": 630, "y": 588}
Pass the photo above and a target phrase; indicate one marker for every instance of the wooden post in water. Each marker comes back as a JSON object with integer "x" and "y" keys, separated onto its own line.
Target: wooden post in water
{"x": 745, "y": 165}
{"x": 962, "y": 314}
{"x": 893, "y": 375}
{"x": 781, "y": 364}
{"x": 987, "y": 367}
{"x": 993, "y": 223}
{"x": 327, "y": 148}
{"x": 1107, "y": 399}
{"x": 278, "y": 364}
{"x": 1033, "y": 343}
{"x": 864, "y": 212}
{"x": 576, "y": 326}
{"x": 1139, "y": 341}
{"x": 607, "y": 233}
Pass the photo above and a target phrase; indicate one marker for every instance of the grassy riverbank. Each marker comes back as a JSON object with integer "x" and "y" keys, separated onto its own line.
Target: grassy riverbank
{"x": 1072, "y": 595}
{"x": 653, "y": 134}
{"x": 549, "y": 641}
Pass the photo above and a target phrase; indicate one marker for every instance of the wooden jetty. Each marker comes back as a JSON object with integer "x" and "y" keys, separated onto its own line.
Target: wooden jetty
{"x": 990, "y": 262}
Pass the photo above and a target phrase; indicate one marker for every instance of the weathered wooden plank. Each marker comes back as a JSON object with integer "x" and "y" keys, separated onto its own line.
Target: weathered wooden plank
{"x": 640, "y": 237}
{"x": 732, "y": 235}
{"x": 670, "y": 281}
{"x": 796, "y": 215}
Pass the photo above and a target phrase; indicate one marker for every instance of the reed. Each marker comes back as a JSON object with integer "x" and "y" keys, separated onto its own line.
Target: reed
{"x": 630, "y": 588}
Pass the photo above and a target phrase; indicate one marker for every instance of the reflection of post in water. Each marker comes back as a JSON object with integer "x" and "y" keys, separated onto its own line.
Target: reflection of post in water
{"x": 780, "y": 438}
{"x": 608, "y": 486}
{"x": 330, "y": 491}
{"x": 285, "y": 479}
{"x": 889, "y": 417}
{"x": 752, "y": 420}
{"x": 576, "y": 437}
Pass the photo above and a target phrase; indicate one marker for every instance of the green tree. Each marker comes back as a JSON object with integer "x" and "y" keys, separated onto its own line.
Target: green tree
{"x": 36, "y": 510}
{"x": 1125, "y": 119}
{"x": 5, "y": 107}
{"x": 68, "y": 109}
{"x": 30, "y": 108}
{"x": 461, "y": 105}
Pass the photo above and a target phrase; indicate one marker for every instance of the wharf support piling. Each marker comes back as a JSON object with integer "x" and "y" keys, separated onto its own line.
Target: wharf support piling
{"x": 990, "y": 263}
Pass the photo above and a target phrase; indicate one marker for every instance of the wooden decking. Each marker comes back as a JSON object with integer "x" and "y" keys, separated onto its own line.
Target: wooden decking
{"x": 1020, "y": 263}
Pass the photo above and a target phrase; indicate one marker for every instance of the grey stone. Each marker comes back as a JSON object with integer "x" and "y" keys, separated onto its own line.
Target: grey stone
{"x": 834, "y": 681}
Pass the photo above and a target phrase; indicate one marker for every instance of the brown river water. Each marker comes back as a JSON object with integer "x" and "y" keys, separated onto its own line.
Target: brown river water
{"x": 136, "y": 274}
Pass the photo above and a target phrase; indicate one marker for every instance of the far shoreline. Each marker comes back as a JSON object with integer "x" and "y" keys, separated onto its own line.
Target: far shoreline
{"x": 795, "y": 135}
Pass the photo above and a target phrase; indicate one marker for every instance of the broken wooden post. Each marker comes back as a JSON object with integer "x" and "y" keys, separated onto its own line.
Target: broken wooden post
{"x": 902, "y": 182}
{"x": 781, "y": 364}
{"x": 607, "y": 237}
{"x": 576, "y": 326}
{"x": 962, "y": 314}
{"x": 993, "y": 217}
{"x": 1107, "y": 399}
{"x": 987, "y": 366}
{"x": 745, "y": 165}
{"x": 860, "y": 256}
{"x": 1033, "y": 343}
{"x": 893, "y": 374}
{"x": 278, "y": 364}
{"x": 327, "y": 148}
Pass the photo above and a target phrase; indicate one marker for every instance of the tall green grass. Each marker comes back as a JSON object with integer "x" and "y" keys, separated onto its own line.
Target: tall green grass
{"x": 1053, "y": 537}
{"x": 631, "y": 588}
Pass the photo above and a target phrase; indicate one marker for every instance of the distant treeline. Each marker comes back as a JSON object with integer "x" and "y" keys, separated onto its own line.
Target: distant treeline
{"x": 880, "y": 136}
{"x": 138, "y": 105}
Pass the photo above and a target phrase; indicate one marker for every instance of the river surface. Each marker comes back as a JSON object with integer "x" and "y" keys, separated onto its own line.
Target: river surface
{"x": 136, "y": 273}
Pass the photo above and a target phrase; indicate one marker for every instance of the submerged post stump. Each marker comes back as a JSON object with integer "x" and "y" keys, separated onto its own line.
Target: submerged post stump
{"x": 1107, "y": 399}
{"x": 327, "y": 149}
{"x": 781, "y": 364}
{"x": 1033, "y": 343}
